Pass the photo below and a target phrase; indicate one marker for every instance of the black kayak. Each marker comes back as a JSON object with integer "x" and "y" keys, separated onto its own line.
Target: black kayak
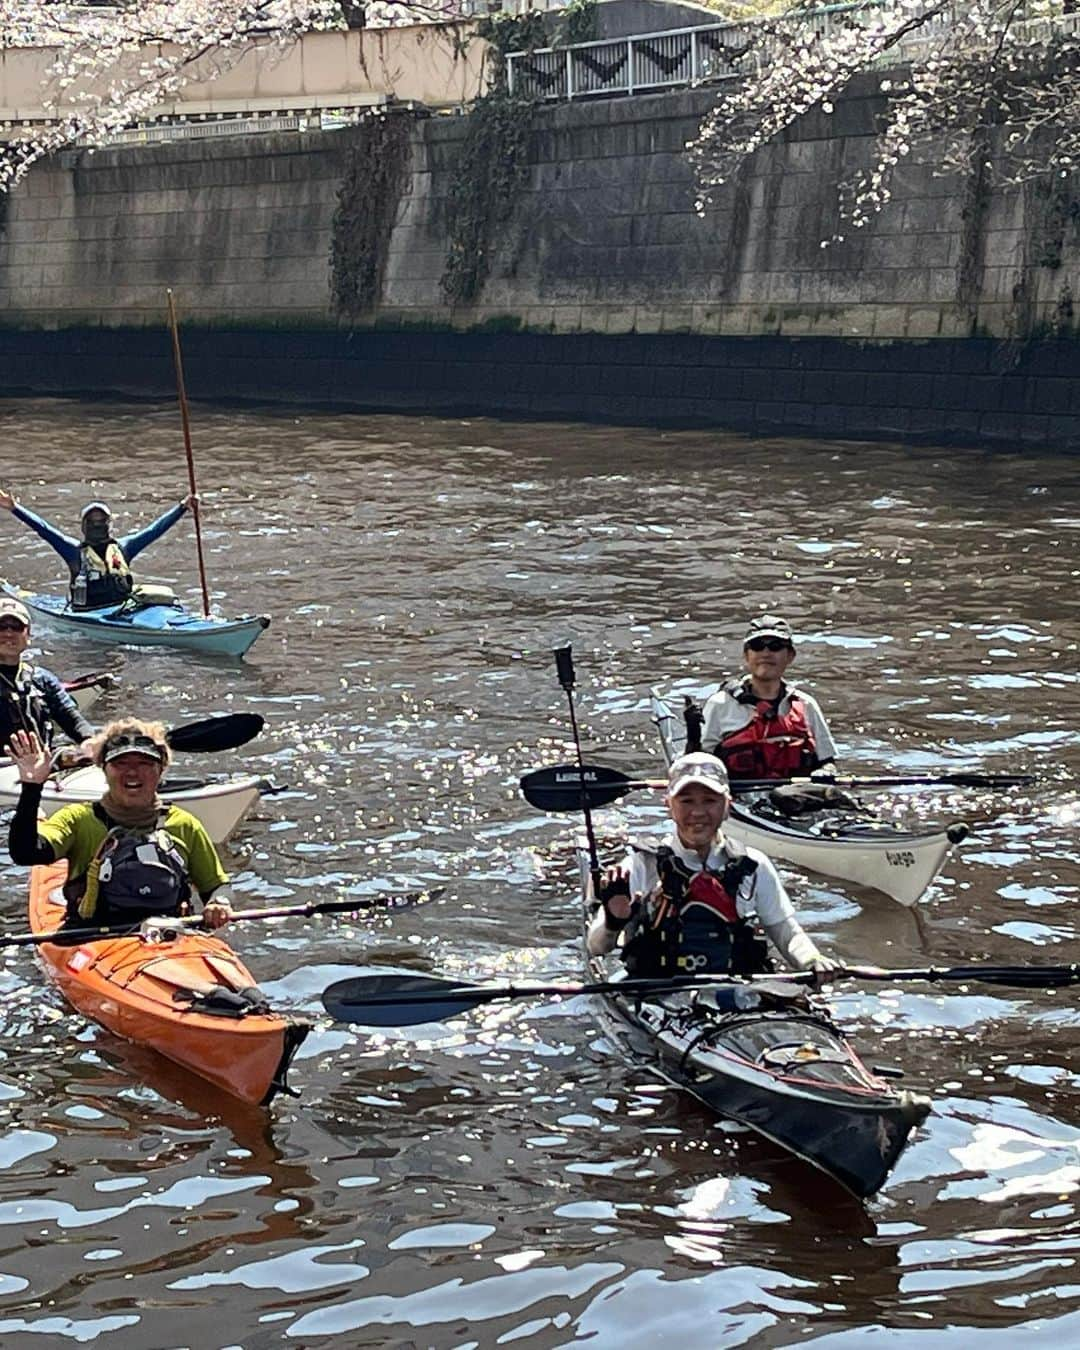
{"x": 760, "y": 1053}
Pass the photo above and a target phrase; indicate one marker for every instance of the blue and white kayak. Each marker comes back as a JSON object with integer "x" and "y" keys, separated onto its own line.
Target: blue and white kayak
{"x": 147, "y": 625}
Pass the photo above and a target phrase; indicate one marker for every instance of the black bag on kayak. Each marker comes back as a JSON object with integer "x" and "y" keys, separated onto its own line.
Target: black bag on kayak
{"x": 803, "y": 799}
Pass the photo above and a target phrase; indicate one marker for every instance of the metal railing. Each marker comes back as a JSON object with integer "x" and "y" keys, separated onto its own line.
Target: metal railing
{"x": 324, "y": 119}
{"x": 679, "y": 57}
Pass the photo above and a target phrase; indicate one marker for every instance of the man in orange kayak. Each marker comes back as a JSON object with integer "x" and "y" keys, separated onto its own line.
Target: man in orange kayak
{"x": 760, "y": 726}
{"x": 99, "y": 564}
{"x": 130, "y": 856}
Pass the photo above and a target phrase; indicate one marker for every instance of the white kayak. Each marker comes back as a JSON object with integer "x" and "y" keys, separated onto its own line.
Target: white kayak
{"x": 221, "y": 805}
{"x": 87, "y": 689}
{"x": 863, "y": 850}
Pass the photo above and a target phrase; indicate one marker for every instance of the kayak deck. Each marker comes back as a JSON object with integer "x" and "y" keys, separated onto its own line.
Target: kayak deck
{"x": 170, "y": 625}
{"x": 188, "y": 997}
{"x": 862, "y": 849}
{"x": 765, "y": 1056}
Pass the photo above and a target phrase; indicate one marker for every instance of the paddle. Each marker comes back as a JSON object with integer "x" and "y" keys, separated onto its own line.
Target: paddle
{"x": 564, "y": 667}
{"x": 102, "y": 677}
{"x": 375, "y": 903}
{"x": 181, "y": 394}
{"x": 560, "y": 788}
{"x": 392, "y": 1000}
{"x": 224, "y": 732}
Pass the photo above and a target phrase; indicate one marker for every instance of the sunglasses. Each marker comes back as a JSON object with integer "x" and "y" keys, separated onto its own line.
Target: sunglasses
{"x": 768, "y": 644}
{"x": 140, "y": 745}
{"x": 12, "y": 626}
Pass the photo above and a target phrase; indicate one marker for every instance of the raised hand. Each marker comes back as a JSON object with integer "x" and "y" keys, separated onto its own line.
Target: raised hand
{"x": 30, "y": 757}
{"x": 615, "y": 896}
{"x": 7, "y": 500}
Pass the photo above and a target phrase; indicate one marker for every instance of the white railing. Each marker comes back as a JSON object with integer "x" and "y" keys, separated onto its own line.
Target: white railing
{"x": 325, "y": 119}
{"x": 685, "y": 56}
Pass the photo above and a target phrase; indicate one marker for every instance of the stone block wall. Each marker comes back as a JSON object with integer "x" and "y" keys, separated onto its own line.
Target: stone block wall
{"x": 949, "y": 318}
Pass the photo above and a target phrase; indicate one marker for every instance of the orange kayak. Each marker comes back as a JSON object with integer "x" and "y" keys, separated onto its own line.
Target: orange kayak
{"x": 188, "y": 997}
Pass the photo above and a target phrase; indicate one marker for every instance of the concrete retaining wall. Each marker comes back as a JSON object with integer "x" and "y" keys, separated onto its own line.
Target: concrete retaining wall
{"x": 951, "y": 317}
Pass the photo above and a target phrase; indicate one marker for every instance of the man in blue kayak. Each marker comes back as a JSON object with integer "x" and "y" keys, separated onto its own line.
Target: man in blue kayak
{"x": 685, "y": 904}
{"x": 31, "y": 697}
{"x": 99, "y": 564}
{"x": 760, "y": 726}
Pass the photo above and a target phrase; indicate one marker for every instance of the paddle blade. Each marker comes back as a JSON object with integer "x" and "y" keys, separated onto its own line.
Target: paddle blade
{"x": 564, "y": 666}
{"x": 399, "y": 1000}
{"x": 559, "y": 788}
{"x": 216, "y": 733}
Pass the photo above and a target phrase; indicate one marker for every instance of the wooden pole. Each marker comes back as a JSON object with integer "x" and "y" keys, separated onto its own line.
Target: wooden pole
{"x": 181, "y": 393}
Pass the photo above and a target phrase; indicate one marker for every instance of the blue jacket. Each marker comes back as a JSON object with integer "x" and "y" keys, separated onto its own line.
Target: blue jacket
{"x": 130, "y": 545}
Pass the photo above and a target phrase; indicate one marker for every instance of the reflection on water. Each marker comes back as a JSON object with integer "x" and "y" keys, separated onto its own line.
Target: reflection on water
{"x": 507, "y": 1178}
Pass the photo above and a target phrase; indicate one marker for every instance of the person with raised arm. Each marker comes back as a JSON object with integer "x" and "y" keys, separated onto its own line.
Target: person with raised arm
{"x": 130, "y": 856}
{"x": 687, "y": 903}
{"x": 99, "y": 564}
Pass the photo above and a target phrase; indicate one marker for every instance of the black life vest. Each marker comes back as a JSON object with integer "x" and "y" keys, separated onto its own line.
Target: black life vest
{"x": 107, "y": 576}
{"x": 23, "y": 706}
{"x": 691, "y": 925}
{"x": 772, "y": 744}
{"x": 134, "y": 875}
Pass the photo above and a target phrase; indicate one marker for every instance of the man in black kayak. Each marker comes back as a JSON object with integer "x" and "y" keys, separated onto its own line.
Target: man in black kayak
{"x": 32, "y": 698}
{"x": 689, "y": 902}
{"x": 98, "y": 563}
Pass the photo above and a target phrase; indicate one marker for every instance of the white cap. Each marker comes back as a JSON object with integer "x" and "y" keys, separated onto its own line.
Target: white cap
{"x": 698, "y": 768}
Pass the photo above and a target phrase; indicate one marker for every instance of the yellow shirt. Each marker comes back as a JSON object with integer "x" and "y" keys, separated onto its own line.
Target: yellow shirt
{"x": 77, "y": 832}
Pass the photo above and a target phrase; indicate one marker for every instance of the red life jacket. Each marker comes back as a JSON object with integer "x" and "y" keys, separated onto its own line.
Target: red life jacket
{"x": 771, "y": 745}
{"x": 693, "y": 925}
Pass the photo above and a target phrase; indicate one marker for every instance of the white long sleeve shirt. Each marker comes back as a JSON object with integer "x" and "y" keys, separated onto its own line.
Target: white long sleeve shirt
{"x": 760, "y": 894}
{"x": 725, "y": 714}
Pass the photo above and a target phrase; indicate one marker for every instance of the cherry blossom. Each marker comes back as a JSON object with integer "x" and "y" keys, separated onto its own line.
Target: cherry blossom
{"x": 983, "y": 85}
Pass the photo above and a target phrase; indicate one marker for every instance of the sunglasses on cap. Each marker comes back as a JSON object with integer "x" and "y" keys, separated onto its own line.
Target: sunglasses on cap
{"x": 135, "y": 744}
{"x": 769, "y": 644}
{"x": 12, "y": 626}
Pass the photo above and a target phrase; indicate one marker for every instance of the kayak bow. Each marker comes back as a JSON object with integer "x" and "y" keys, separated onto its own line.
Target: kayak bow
{"x": 188, "y": 997}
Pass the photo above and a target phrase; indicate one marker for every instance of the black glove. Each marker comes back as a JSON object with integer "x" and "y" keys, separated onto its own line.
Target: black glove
{"x": 613, "y": 884}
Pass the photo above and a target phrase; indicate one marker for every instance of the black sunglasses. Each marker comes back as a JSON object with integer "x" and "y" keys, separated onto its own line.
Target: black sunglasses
{"x": 769, "y": 644}
{"x": 12, "y": 626}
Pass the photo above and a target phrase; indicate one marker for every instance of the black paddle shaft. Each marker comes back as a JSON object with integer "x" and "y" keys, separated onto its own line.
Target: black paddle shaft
{"x": 561, "y": 787}
{"x": 392, "y": 999}
{"x": 564, "y": 668}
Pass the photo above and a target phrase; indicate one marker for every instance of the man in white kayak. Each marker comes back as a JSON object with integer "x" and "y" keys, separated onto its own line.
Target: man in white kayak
{"x": 685, "y": 904}
{"x": 31, "y": 697}
{"x": 760, "y": 726}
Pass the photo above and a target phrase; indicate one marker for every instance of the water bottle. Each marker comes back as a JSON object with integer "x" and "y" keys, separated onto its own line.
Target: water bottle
{"x": 78, "y": 592}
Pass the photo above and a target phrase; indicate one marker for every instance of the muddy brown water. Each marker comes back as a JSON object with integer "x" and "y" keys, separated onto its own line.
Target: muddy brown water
{"x": 507, "y": 1179}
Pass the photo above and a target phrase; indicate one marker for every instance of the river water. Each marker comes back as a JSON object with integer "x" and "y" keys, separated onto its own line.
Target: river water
{"x": 506, "y": 1179}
